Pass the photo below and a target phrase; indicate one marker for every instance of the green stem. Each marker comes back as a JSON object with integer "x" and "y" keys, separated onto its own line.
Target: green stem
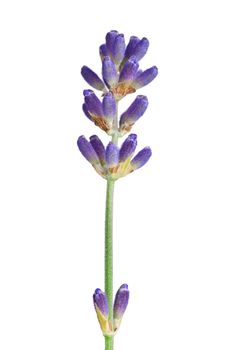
{"x": 109, "y": 256}
{"x": 109, "y": 341}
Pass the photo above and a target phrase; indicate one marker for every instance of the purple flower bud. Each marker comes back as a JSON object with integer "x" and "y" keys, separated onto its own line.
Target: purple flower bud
{"x": 92, "y": 78}
{"x": 141, "y": 158}
{"x": 99, "y": 148}
{"x": 121, "y": 302}
{"x": 118, "y": 49}
{"x": 85, "y": 110}
{"x": 100, "y": 301}
{"x": 112, "y": 155}
{"x": 103, "y": 51}
{"x": 141, "y": 48}
{"x": 128, "y": 147}
{"x": 110, "y": 40}
{"x": 129, "y": 70}
{"x": 134, "y": 40}
{"x": 145, "y": 77}
{"x": 94, "y": 106}
{"x": 109, "y": 72}
{"x": 109, "y": 106}
{"x": 133, "y": 113}
{"x": 87, "y": 150}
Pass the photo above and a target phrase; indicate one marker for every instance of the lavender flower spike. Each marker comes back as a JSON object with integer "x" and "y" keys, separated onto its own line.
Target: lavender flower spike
{"x": 92, "y": 78}
{"x": 121, "y": 75}
{"x": 133, "y": 113}
{"x": 141, "y": 158}
{"x": 120, "y": 305}
{"x": 101, "y": 308}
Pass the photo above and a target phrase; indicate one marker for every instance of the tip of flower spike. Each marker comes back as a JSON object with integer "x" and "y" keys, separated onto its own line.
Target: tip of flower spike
{"x": 118, "y": 49}
{"x": 110, "y": 40}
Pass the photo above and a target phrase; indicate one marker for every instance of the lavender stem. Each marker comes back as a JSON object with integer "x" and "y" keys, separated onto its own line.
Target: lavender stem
{"x": 109, "y": 256}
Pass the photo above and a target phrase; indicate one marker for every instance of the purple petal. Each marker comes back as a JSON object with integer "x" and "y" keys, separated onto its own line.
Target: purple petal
{"x": 139, "y": 72}
{"x": 129, "y": 70}
{"x": 112, "y": 155}
{"x": 141, "y": 158}
{"x": 100, "y": 300}
{"x": 134, "y": 40}
{"x": 128, "y": 147}
{"x": 118, "y": 49}
{"x": 135, "y": 111}
{"x": 109, "y": 71}
{"x": 145, "y": 77}
{"x": 109, "y": 106}
{"x": 121, "y": 301}
{"x": 94, "y": 106}
{"x": 141, "y": 48}
{"x": 92, "y": 78}
{"x": 87, "y": 150}
{"x": 110, "y": 40}
{"x": 99, "y": 148}
{"x": 103, "y": 51}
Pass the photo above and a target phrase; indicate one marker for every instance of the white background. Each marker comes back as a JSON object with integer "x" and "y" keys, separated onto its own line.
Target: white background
{"x": 173, "y": 218}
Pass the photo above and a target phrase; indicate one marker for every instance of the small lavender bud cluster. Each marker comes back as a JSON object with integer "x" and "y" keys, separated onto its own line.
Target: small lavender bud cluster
{"x": 113, "y": 162}
{"x": 110, "y": 327}
{"x": 120, "y": 76}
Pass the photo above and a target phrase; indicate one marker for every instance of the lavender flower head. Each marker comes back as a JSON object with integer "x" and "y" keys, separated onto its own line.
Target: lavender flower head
{"x": 121, "y": 76}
